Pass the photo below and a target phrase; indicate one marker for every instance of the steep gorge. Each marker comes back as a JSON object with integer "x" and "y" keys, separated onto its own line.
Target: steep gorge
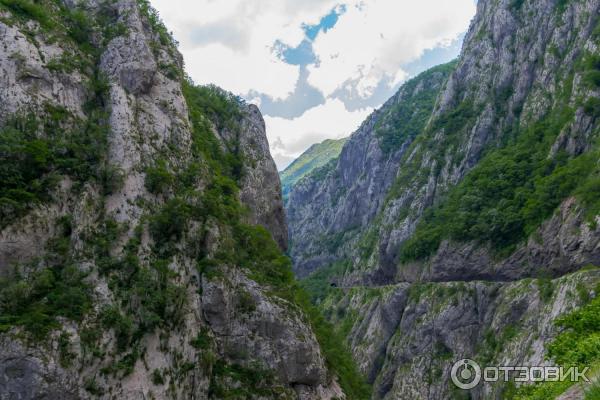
{"x": 461, "y": 218}
{"x": 142, "y": 228}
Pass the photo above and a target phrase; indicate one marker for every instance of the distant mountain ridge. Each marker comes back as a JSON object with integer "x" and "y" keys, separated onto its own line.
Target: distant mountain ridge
{"x": 315, "y": 157}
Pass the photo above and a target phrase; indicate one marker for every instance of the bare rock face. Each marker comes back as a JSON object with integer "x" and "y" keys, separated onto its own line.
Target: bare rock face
{"x": 403, "y": 334}
{"x": 130, "y": 61}
{"x": 26, "y": 83}
{"x": 181, "y": 333}
{"x": 245, "y": 321}
{"x": 261, "y": 186}
{"x": 563, "y": 244}
{"x": 25, "y": 375}
{"x": 343, "y": 201}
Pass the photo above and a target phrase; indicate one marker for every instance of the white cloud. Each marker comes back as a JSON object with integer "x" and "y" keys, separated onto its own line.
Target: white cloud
{"x": 235, "y": 44}
{"x": 231, "y": 43}
{"x": 290, "y": 137}
{"x": 241, "y": 73}
{"x": 372, "y": 40}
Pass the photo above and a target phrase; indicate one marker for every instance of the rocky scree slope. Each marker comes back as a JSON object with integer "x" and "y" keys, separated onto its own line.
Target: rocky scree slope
{"x": 141, "y": 222}
{"x": 481, "y": 172}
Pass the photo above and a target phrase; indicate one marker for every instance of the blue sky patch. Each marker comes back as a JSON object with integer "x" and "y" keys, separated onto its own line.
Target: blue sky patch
{"x": 303, "y": 54}
{"x": 326, "y": 23}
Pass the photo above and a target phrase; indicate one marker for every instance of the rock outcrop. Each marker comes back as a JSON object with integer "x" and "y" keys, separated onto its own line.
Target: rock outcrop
{"x": 119, "y": 279}
{"x": 260, "y": 187}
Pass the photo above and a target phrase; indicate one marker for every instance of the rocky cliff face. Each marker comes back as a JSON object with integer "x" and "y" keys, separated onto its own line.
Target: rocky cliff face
{"x": 129, "y": 265}
{"x": 341, "y": 199}
{"x": 406, "y": 337}
{"x": 469, "y": 195}
{"x": 261, "y": 188}
{"x": 511, "y": 72}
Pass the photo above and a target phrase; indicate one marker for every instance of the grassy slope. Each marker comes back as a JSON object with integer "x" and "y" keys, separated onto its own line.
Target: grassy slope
{"x": 316, "y": 156}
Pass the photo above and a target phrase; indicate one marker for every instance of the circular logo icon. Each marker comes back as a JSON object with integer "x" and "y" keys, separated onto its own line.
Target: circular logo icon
{"x": 466, "y": 374}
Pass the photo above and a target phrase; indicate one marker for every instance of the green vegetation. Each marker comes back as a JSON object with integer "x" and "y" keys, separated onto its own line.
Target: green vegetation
{"x": 510, "y": 192}
{"x": 319, "y": 173}
{"x": 169, "y": 223}
{"x": 149, "y": 294}
{"x": 453, "y": 122}
{"x": 516, "y": 5}
{"x": 561, "y": 5}
{"x": 35, "y": 155}
{"x": 165, "y": 39}
{"x": 36, "y": 300}
{"x": 210, "y": 105}
{"x": 254, "y": 380}
{"x": 369, "y": 239}
{"x": 27, "y": 9}
{"x": 455, "y": 119}
{"x": 35, "y": 297}
{"x": 405, "y": 119}
{"x": 202, "y": 341}
{"x": 71, "y": 25}
{"x": 157, "y": 377}
{"x": 158, "y": 178}
{"x": 315, "y": 289}
{"x": 545, "y": 288}
{"x": 577, "y": 345}
{"x": 514, "y": 187}
{"x": 593, "y": 393}
{"x": 219, "y": 106}
{"x": 91, "y": 386}
{"x": 66, "y": 356}
{"x": 315, "y": 157}
{"x": 494, "y": 342}
{"x": 591, "y": 75}
{"x": 36, "y": 150}
{"x": 318, "y": 284}
{"x": 337, "y": 356}
{"x": 122, "y": 325}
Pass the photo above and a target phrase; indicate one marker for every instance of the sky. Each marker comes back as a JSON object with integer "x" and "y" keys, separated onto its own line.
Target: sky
{"x": 315, "y": 68}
